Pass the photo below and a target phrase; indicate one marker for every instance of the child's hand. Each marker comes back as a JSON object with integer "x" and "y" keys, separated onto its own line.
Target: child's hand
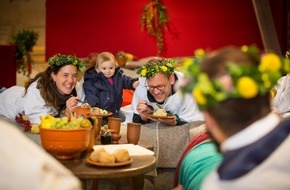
{"x": 135, "y": 84}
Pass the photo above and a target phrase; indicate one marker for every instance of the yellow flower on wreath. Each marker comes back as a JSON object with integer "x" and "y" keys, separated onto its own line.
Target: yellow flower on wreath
{"x": 200, "y": 99}
{"x": 164, "y": 68}
{"x": 143, "y": 72}
{"x": 199, "y": 53}
{"x": 247, "y": 87}
{"x": 187, "y": 62}
{"x": 270, "y": 62}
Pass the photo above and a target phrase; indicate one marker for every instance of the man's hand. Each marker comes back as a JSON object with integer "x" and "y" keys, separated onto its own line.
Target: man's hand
{"x": 143, "y": 109}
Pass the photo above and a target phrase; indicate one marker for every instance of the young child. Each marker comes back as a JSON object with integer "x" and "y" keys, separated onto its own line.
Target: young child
{"x": 103, "y": 84}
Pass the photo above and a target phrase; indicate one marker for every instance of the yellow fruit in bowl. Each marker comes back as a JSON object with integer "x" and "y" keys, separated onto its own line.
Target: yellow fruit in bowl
{"x": 34, "y": 129}
{"x": 46, "y": 121}
{"x": 50, "y": 122}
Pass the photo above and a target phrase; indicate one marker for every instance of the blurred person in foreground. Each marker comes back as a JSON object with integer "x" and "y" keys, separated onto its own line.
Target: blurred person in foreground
{"x": 199, "y": 158}
{"x": 26, "y": 166}
{"x": 232, "y": 87}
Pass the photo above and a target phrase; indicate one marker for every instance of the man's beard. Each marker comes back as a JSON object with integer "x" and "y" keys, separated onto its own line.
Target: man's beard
{"x": 217, "y": 144}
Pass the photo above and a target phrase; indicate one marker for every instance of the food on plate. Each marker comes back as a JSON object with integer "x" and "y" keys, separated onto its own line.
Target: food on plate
{"x": 121, "y": 155}
{"x": 95, "y": 155}
{"x": 106, "y": 157}
{"x": 160, "y": 112}
{"x": 86, "y": 105}
{"x": 98, "y": 111}
{"x": 100, "y": 155}
{"x": 35, "y": 128}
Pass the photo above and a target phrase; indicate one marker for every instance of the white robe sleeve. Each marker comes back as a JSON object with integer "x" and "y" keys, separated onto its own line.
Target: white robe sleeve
{"x": 80, "y": 90}
{"x": 281, "y": 101}
{"x": 34, "y": 106}
{"x": 10, "y": 101}
{"x": 139, "y": 94}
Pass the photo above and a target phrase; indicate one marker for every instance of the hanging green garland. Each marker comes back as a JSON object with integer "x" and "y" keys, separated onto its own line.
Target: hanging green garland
{"x": 154, "y": 19}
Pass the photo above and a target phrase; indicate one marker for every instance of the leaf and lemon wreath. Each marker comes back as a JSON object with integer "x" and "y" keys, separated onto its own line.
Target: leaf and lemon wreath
{"x": 240, "y": 81}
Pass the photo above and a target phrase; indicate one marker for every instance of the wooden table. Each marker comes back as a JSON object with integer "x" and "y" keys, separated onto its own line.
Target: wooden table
{"x": 134, "y": 172}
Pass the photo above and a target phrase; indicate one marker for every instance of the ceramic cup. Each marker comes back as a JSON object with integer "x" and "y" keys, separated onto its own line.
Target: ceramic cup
{"x": 82, "y": 111}
{"x": 114, "y": 124}
{"x": 97, "y": 120}
{"x": 98, "y": 126}
{"x": 92, "y": 140}
{"x": 133, "y": 132}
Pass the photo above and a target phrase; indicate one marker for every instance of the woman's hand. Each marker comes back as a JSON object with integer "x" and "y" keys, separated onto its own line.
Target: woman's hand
{"x": 71, "y": 103}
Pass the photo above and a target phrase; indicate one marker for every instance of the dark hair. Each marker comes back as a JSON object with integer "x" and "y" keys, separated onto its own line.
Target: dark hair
{"x": 45, "y": 84}
{"x": 234, "y": 115}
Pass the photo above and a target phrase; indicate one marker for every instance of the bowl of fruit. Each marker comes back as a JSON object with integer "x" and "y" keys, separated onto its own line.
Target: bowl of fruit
{"x": 65, "y": 137}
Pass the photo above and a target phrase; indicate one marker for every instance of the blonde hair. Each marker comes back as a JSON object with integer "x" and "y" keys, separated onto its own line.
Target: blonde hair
{"x": 105, "y": 56}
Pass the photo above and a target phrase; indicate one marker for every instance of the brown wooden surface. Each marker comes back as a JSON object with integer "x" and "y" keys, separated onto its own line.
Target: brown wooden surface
{"x": 134, "y": 171}
{"x": 140, "y": 166}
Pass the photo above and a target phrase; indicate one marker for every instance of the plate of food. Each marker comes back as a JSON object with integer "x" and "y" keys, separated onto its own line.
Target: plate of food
{"x": 101, "y": 157}
{"x": 116, "y": 164}
{"x": 100, "y": 112}
{"x": 168, "y": 116}
{"x": 160, "y": 113}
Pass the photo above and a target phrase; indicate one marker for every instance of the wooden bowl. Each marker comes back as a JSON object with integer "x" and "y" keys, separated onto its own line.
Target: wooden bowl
{"x": 65, "y": 144}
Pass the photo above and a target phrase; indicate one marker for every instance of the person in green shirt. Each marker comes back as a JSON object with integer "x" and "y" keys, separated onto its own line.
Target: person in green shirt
{"x": 198, "y": 159}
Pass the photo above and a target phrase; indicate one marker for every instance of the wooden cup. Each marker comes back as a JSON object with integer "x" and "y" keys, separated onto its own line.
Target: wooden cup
{"x": 92, "y": 140}
{"x": 83, "y": 111}
{"x": 114, "y": 124}
{"x": 133, "y": 133}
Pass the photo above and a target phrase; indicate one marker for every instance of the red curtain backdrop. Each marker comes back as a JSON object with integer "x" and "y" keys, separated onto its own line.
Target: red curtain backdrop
{"x": 83, "y": 26}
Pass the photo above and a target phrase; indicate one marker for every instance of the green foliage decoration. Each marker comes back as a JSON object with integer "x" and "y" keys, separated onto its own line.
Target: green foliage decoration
{"x": 24, "y": 41}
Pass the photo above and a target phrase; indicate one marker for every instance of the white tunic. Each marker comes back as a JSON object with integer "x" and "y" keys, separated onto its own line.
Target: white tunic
{"x": 272, "y": 173}
{"x": 281, "y": 101}
{"x": 182, "y": 105}
{"x": 24, "y": 165}
{"x": 32, "y": 104}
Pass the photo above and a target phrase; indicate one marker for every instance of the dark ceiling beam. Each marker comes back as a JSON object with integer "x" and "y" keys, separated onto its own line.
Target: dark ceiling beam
{"x": 266, "y": 26}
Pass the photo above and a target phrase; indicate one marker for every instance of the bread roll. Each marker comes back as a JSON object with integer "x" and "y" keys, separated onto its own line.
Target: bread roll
{"x": 106, "y": 157}
{"x": 160, "y": 112}
{"x": 96, "y": 154}
{"x": 121, "y": 155}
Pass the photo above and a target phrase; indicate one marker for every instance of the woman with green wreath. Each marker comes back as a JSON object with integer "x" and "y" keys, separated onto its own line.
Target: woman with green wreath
{"x": 50, "y": 92}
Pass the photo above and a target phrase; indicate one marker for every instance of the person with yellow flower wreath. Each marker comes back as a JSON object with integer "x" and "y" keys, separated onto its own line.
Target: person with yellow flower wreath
{"x": 232, "y": 86}
{"x": 156, "y": 90}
